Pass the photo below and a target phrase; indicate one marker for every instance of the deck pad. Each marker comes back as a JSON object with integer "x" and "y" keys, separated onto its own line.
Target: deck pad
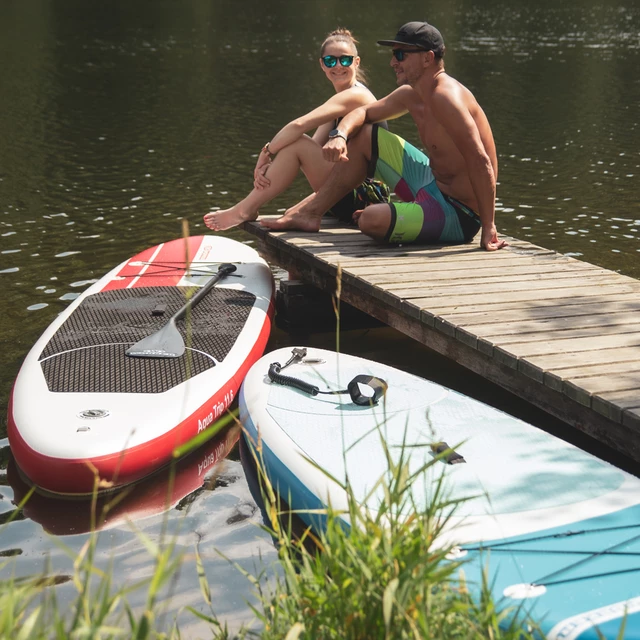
{"x": 86, "y": 356}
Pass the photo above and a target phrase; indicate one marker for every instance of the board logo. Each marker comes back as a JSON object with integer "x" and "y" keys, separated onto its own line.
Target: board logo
{"x": 218, "y": 409}
{"x": 204, "y": 254}
{"x": 93, "y": 414}
{"x": 205, "y": 422}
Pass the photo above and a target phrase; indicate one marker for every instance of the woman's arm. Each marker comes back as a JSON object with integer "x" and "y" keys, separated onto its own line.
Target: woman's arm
{"x": 336, "y": 107}
{"x": 322, "y": 132}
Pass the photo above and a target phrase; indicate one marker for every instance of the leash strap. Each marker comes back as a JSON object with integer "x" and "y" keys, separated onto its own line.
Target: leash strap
{"x": 354, "y": 389}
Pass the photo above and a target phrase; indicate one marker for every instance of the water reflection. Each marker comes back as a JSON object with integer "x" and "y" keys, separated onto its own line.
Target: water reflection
{"x": 175, "y": 487}
{"x": 204, "y": 501}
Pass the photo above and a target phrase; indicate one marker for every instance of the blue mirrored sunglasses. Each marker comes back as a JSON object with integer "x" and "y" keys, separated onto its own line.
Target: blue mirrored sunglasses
{"x": 332, "y": 61}
{"x": 401, "y": 54}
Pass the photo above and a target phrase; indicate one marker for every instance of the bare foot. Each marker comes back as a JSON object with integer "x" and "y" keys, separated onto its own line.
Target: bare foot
{"x": 294, "y": 220}
{"x": 227, "y": 219}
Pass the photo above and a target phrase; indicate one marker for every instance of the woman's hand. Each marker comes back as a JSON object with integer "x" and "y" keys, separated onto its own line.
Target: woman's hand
{"x": 260, "y": 180}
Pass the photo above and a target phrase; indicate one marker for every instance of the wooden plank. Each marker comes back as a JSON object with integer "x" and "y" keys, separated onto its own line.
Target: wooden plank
{"x": 555, "y": 379}
{"x": 631, "y": 418}
{"x": 573, "y": 345}
{"x": 456, "y": 270}
{"x": 441, "y": 305}
{"x": 554, "y": 325}
{"x": 455, "y": 262}
{"x": 583, "y": 389}
{"x": 528, "y": 332}
{"x": 617, "y": 406}
{"x": 412, "y": 276}
{"x": 413, "y": 285}
{"x": 598, "y": 384}
{"x": 600, "y": 369}
{"x": 579, "y": 309}
{"x": 345, "y": 252}
{"x": 538, "y": 365}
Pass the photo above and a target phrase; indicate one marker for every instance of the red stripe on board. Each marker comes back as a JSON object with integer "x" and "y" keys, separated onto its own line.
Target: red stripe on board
{"x": 154, "y": 269}
{"x": 77, "y": 476}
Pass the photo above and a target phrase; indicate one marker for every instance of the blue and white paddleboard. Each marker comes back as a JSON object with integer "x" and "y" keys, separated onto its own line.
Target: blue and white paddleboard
{"x": 558, "y": 528}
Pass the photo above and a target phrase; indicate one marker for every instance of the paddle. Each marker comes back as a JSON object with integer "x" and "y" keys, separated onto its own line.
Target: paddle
{"x": 167, "y": 342}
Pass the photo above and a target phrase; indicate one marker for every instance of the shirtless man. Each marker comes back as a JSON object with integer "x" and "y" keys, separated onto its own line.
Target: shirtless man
{"x": 449, "y": 195}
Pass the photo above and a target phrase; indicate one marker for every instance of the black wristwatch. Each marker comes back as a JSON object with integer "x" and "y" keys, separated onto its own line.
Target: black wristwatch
{"x": 336, "y": 133}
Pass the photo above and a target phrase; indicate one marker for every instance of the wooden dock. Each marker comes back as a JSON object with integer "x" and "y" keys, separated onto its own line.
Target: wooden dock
{"x": 560, "y": 333}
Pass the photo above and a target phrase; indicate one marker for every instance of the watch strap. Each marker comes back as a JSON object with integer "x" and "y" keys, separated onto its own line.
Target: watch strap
{"x": 336, "y": 133}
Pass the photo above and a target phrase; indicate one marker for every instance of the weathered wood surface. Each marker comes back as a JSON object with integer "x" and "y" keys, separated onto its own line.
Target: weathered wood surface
{"x": 561, "y": 333}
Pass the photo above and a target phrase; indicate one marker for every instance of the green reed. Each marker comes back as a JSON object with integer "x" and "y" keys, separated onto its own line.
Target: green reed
{"x": 384, "y": 575}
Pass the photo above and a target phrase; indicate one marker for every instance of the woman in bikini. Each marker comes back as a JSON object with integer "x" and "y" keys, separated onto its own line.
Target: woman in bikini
{"x": 291, "y": 149}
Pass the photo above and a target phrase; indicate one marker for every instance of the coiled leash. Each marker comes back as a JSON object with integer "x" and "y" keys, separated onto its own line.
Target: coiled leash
{"x": 378, "y": 385}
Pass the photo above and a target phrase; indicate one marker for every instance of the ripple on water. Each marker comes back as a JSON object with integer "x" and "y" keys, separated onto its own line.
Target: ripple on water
{"x": 83, "y": 283}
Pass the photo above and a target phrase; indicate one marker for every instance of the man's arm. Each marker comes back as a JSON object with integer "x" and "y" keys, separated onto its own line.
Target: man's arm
{"x": 392, "y": 106}
{"x": 455, "y": 118}
{"x": 337, "y": 106}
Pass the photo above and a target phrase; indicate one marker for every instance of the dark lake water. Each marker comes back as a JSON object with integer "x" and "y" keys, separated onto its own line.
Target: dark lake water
{"x": 120, "y": 119}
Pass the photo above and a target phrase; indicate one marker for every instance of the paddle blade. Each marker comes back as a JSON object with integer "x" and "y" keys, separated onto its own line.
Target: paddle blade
{"x": 165, "y": 343}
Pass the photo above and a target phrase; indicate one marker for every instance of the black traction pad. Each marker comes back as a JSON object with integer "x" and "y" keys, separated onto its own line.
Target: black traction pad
{"x": 87, "y": 353}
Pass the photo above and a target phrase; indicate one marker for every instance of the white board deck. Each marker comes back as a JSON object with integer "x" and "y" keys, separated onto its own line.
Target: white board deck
{"x": 540, "y": 511}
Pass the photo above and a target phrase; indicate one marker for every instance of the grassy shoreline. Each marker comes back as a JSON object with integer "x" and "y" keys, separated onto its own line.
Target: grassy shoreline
{"x": 385, "y": 576}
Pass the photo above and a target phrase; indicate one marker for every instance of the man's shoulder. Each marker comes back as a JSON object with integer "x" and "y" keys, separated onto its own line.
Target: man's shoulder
{"x": 448, "y": 90}
{"x": 405, "y": 93}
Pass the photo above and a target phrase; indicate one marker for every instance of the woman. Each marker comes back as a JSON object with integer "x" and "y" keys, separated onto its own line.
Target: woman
{"x": 291, "y": 149}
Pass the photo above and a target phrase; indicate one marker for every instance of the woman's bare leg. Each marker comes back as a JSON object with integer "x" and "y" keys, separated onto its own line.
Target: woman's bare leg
{"x": 303, "y": 154}
{"x": 306, "y": 215}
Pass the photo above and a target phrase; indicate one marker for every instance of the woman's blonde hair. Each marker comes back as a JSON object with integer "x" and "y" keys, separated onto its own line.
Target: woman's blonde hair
{"x": 344, "y": 35}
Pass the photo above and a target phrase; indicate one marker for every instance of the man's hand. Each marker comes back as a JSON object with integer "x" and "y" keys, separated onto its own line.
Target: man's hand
{"x": 489, "y": 239}
{"x": 356, "y": 215}
{"x": 335, "y": 150}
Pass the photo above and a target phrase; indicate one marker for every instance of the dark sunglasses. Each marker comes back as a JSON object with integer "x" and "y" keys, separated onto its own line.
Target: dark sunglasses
{"x": 401, "y": 54}
{"x": 332, "y": 61}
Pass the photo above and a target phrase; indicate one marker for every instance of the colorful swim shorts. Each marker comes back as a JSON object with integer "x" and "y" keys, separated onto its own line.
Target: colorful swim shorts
{"x": 426, "y": 215}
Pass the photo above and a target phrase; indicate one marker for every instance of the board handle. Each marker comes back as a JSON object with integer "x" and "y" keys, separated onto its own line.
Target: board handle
{"x": 448, "y": 454}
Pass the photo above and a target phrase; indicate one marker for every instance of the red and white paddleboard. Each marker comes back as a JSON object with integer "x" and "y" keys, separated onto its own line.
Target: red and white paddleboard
{"x": 82, "y": 408}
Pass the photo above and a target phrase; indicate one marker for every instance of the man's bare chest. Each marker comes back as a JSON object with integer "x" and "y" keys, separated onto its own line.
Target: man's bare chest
{"x": 436, "y": 141}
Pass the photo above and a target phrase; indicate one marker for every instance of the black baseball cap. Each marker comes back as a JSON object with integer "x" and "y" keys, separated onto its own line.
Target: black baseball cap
{"x": 417, "y": 34}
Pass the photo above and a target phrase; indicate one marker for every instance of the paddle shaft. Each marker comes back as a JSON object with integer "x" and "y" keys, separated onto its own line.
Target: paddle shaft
{"x": 167, "y": 341}
{"x": 223, "y": 270}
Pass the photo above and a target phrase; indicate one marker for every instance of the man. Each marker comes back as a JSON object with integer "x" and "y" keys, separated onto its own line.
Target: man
{"x": 449, "y": 194}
